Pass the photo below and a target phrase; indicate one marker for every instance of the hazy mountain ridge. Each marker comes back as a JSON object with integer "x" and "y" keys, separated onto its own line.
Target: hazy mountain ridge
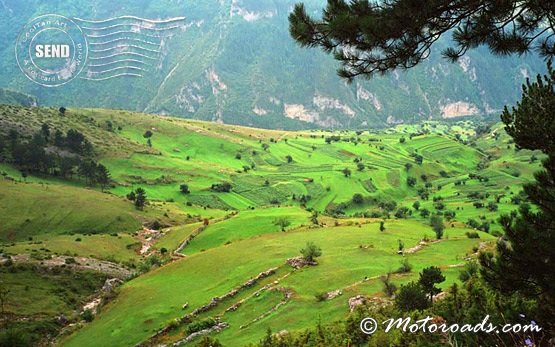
{"x": 235, "y": 63}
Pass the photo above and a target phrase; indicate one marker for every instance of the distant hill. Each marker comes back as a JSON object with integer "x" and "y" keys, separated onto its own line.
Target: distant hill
{"x": 9, "y": 97}
{"x": 234, "y": 62}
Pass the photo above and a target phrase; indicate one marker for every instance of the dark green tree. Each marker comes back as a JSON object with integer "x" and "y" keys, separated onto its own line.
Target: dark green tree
{"x": 282, "y": 222}
{"x": 184, "y": 188}
{"x": 411, "y": 297}
{"x": 429, "y": 277}
{"x": 437, "y": 225}
{"x": 416, "y": 205}
{"x": 311, "y": 251}
{"x": 357, "y": 199}
{"x": 45, "y": 131}
{"x": 102, "y": 176}
{"x": 140, "y": 198}
{"x": 525, "y": 258}
{"x": 373, "y": 37}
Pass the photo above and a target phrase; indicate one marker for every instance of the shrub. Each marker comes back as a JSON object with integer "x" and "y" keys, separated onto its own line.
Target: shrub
{"x": 224, "y": 187}
{"x": 184, "y": 188}
{"x": 311, "y": 251}
{"x": 405, "y": 267}
{"x": 357, "y": 199}
{"x": 411, "y": 297}
{"x": 87, "y": 315}
{"x": 472, "y": 235}
{"x": 200, "y": 325}
{"x": 321, "y": 296}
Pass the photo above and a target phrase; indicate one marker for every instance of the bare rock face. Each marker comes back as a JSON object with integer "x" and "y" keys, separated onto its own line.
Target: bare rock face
{"x": 356, "y": 301}
{"x": 111, "y": 284}
{"x": 299, "y": 262}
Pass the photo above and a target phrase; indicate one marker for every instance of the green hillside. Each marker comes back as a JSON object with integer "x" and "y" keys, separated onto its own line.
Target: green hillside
{"x": 285, "y": 189}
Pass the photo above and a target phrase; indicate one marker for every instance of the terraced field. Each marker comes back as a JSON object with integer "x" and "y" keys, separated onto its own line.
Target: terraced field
{"x": 286, "y": 189}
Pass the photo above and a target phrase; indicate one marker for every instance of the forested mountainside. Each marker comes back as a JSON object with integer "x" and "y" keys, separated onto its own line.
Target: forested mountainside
{"x": 233, "y": 61}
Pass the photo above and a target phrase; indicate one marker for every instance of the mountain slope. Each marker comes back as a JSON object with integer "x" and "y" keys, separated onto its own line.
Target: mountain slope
{"x": 234, "y": 62}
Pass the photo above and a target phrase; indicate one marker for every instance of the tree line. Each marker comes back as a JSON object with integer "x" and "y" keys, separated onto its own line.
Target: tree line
{"x": 53, "y": 153}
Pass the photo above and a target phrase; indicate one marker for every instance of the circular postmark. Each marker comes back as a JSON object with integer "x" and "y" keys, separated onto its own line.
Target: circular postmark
{"x": 51, "y": 50}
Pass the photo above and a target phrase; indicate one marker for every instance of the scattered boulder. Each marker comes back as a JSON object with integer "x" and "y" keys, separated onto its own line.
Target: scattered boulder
{"x": 333, "y": 294}
{"x": 215, "y": 329}
{"x": 356, "y": 301}
{"x": 111, "y": 284}
{"x": 62, "y": 320}
{"x": 440, "y": 296}
{"x": 300, "y": 262}
{"x": 185, "y": 305}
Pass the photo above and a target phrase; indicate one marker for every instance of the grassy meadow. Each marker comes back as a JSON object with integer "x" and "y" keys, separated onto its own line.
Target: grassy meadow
{"x": 307, "y": 178}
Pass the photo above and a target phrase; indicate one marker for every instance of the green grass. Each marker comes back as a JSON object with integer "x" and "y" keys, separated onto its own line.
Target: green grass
{"x": 247, "y": 224}
{"x": 241, "y": 239}
{"x": 32, "y": 209}
{"x": 163, "y": 291}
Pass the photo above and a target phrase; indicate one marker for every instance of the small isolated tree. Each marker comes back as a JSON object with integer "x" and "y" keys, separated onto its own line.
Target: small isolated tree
{"x": 311, "y": 251}
{"x": 87, "y": 315}
{"x": 346, "y": 172}
{"x": 360, "y": 166}
{"x": 282, "y": 222}
{"x": 429, "y": 277}
{"x": 389, "y": 288}
{"x": 411, "y": 181}
{"x": 405, "y": 266}
{"x": 401, "y": 245}
{"x": 148, "y": 134}
{"x": 416, "y": 205}
{"x": 437, "y": 225}
{"x": 140, "y": 198}
{"x": 102, "y": 176}
{"x": 411, "y": 297}
{"x": 131, "y": 196}
{"x": 62, "y": 111}
{"x": 184, "y": 188}
{"x": 382, "y": 226}
{"x": 45, "y": 131}
{"x": 289, "y": 158}
{"x": 357, "y": 199}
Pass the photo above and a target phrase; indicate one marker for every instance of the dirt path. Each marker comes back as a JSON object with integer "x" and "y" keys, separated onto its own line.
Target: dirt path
{"x": 147, "y": 238}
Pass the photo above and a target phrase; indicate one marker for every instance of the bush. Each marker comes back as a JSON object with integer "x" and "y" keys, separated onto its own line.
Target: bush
{"x": 402, "y": 212}
{"x": 472, "y": 235}
{"x": 311, "y": 251}
{"x": 411, "y": 297}
{"x": 87, "y": 315}
{"x": 184, "y": 188}
{"x": 200, "y": 325}
{"x": 321, "y": 296}
{"x": 405, "y": 267}
{"x": 224, "y": 187}
{"x": 357, "y": 199}
{"x": 437, "y": 225}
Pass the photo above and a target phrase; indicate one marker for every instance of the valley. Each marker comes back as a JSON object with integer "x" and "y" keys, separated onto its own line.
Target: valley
{"x": 228, "y": 208}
